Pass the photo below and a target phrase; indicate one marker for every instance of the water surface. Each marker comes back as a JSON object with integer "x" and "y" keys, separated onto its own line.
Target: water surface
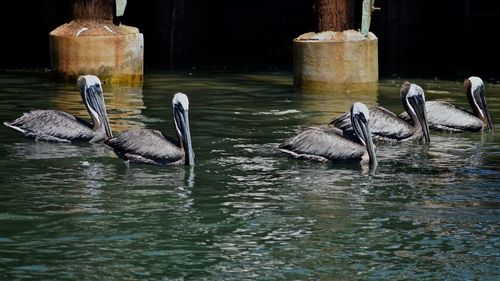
{"x": 244, "y": 211}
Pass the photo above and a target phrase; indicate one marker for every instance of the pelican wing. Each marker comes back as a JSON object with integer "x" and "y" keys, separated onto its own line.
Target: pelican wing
{"x": 388, "y": 125}
{"x": 343, "y": 121}
{"x": 444, "y": 116}
{"x": 52, "y": 125}
{"x": 322, "y": 143}
{"x": 147, "y": 146}
{"x": 383, "y": 124}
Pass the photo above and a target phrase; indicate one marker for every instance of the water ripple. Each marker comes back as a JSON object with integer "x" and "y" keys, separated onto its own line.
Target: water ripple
{"x": 245, "y": 210}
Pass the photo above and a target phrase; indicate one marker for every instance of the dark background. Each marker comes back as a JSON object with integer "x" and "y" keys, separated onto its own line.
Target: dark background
{"x": 418, "y": 38}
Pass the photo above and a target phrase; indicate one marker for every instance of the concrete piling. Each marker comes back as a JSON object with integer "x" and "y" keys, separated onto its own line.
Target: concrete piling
{"x": 336, "y": 57}
{"x": 114, "y": 53}
{"x": 93, "y": 44}
{"x": 335, "y": 61}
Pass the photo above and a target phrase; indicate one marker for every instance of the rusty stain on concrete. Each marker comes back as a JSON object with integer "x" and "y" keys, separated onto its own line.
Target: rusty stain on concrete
{"x": 335, "y": 61}
{"x": 114, "y": 53}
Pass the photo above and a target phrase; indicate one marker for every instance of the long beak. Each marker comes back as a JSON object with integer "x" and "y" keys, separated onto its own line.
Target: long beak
{"x": 182, "y": 124}
{"x": 417, "y": 102}
{"x": 95, "y": 102}
{"x": 369, "y": 145}
{"x": 366, "y": 136}
{"x": 484, "y": 109}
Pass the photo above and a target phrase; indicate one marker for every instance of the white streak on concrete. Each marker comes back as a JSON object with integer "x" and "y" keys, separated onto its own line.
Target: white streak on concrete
{"x": 81, "y": 30}
{"x": 109, "y": 29}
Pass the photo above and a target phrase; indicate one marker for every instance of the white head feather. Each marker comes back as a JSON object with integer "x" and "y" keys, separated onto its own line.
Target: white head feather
{"x": 475, "y": 83}
{"x": 359, "y": 107}
{"x": 88, "y": 80}
{"x": 415, "y": 90}
{"x": 182, "y": 99}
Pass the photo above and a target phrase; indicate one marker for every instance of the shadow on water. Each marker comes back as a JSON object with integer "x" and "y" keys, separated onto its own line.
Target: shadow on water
{"x": 245, "y": 210}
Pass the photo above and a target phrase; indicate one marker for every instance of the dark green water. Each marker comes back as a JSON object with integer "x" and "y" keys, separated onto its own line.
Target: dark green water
{"x": 245, "y": 211}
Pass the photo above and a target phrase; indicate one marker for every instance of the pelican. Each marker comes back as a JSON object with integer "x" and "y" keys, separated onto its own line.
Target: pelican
{"x": 328, "y": 144}
{"x": 387, "y": 126}
{"x": 444, "y": 116}
{"x": 59, "y": 126}
{"x": 152, "y": 147}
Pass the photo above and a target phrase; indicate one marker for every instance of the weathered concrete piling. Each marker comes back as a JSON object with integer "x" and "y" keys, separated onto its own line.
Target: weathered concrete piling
{"x": 335, "y": 61}
{"x": 93, "y": 44}
{"x": 336, "y": 57}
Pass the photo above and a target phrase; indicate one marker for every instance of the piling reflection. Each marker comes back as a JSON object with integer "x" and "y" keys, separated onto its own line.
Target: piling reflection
{"x": 124, "y": 105}
{"x": 322, "y": 107}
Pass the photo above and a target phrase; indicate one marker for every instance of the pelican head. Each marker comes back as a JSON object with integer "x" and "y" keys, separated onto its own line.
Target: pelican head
{"x": 360, "y": 122}
{"x": 413, "y": 99}
{"x": 92, "y": 96}
{"x": 180, "y": 104}
{"x": 475, "y": 93}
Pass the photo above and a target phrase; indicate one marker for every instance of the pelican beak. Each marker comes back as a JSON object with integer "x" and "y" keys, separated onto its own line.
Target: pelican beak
{"x": 101, "y": 109}
{"x": 480, "y": 99}
{"x": 93, "y": 98}
{"x": 475, "y": 93}
{"x": 369, "y": 144}
{"x": 417, "y": 103}
{"x": 362, "y": 129}
{"x": 181, "y": 117}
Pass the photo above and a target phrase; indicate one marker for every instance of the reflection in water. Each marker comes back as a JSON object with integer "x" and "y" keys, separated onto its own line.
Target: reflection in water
{"x": 137, "y": 174}
{"x": 322, "y": 109}
{"x": 448, "y": 151}
{"x": 245, "y": 211}
{"x": 29, "y": 149}
{"x": 124, "y": 106}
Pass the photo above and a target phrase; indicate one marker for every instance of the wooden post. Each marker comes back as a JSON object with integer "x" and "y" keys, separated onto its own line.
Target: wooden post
{"x": 366, "y": 16}
{"x": 335, "y": 15}
{"x": 98, "y": 10}
{"x": 120, "y": 7}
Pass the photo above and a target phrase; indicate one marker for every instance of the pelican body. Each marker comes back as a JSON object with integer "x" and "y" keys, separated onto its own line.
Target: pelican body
{"x": 152, "y": 147}
{"x": 387, "y": 126}
{"x": 59, "y": 126}
{"x": 329, "y": 144}
{"x": 443, "y": 116}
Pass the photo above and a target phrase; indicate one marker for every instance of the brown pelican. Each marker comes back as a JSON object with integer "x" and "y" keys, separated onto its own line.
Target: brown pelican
{"x": 328, "y": 144}
{"x": 444, "y": 116}
{"x": 152, "y": 147}
{"x": 59, "y": 126}
{"x": 387, "y": 126}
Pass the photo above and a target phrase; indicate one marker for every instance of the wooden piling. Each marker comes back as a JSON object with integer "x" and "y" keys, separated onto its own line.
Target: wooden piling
{"x": 335, "y": 15}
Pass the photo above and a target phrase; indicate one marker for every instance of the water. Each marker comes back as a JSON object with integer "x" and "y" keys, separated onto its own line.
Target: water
{"x": 245, "y": 211}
